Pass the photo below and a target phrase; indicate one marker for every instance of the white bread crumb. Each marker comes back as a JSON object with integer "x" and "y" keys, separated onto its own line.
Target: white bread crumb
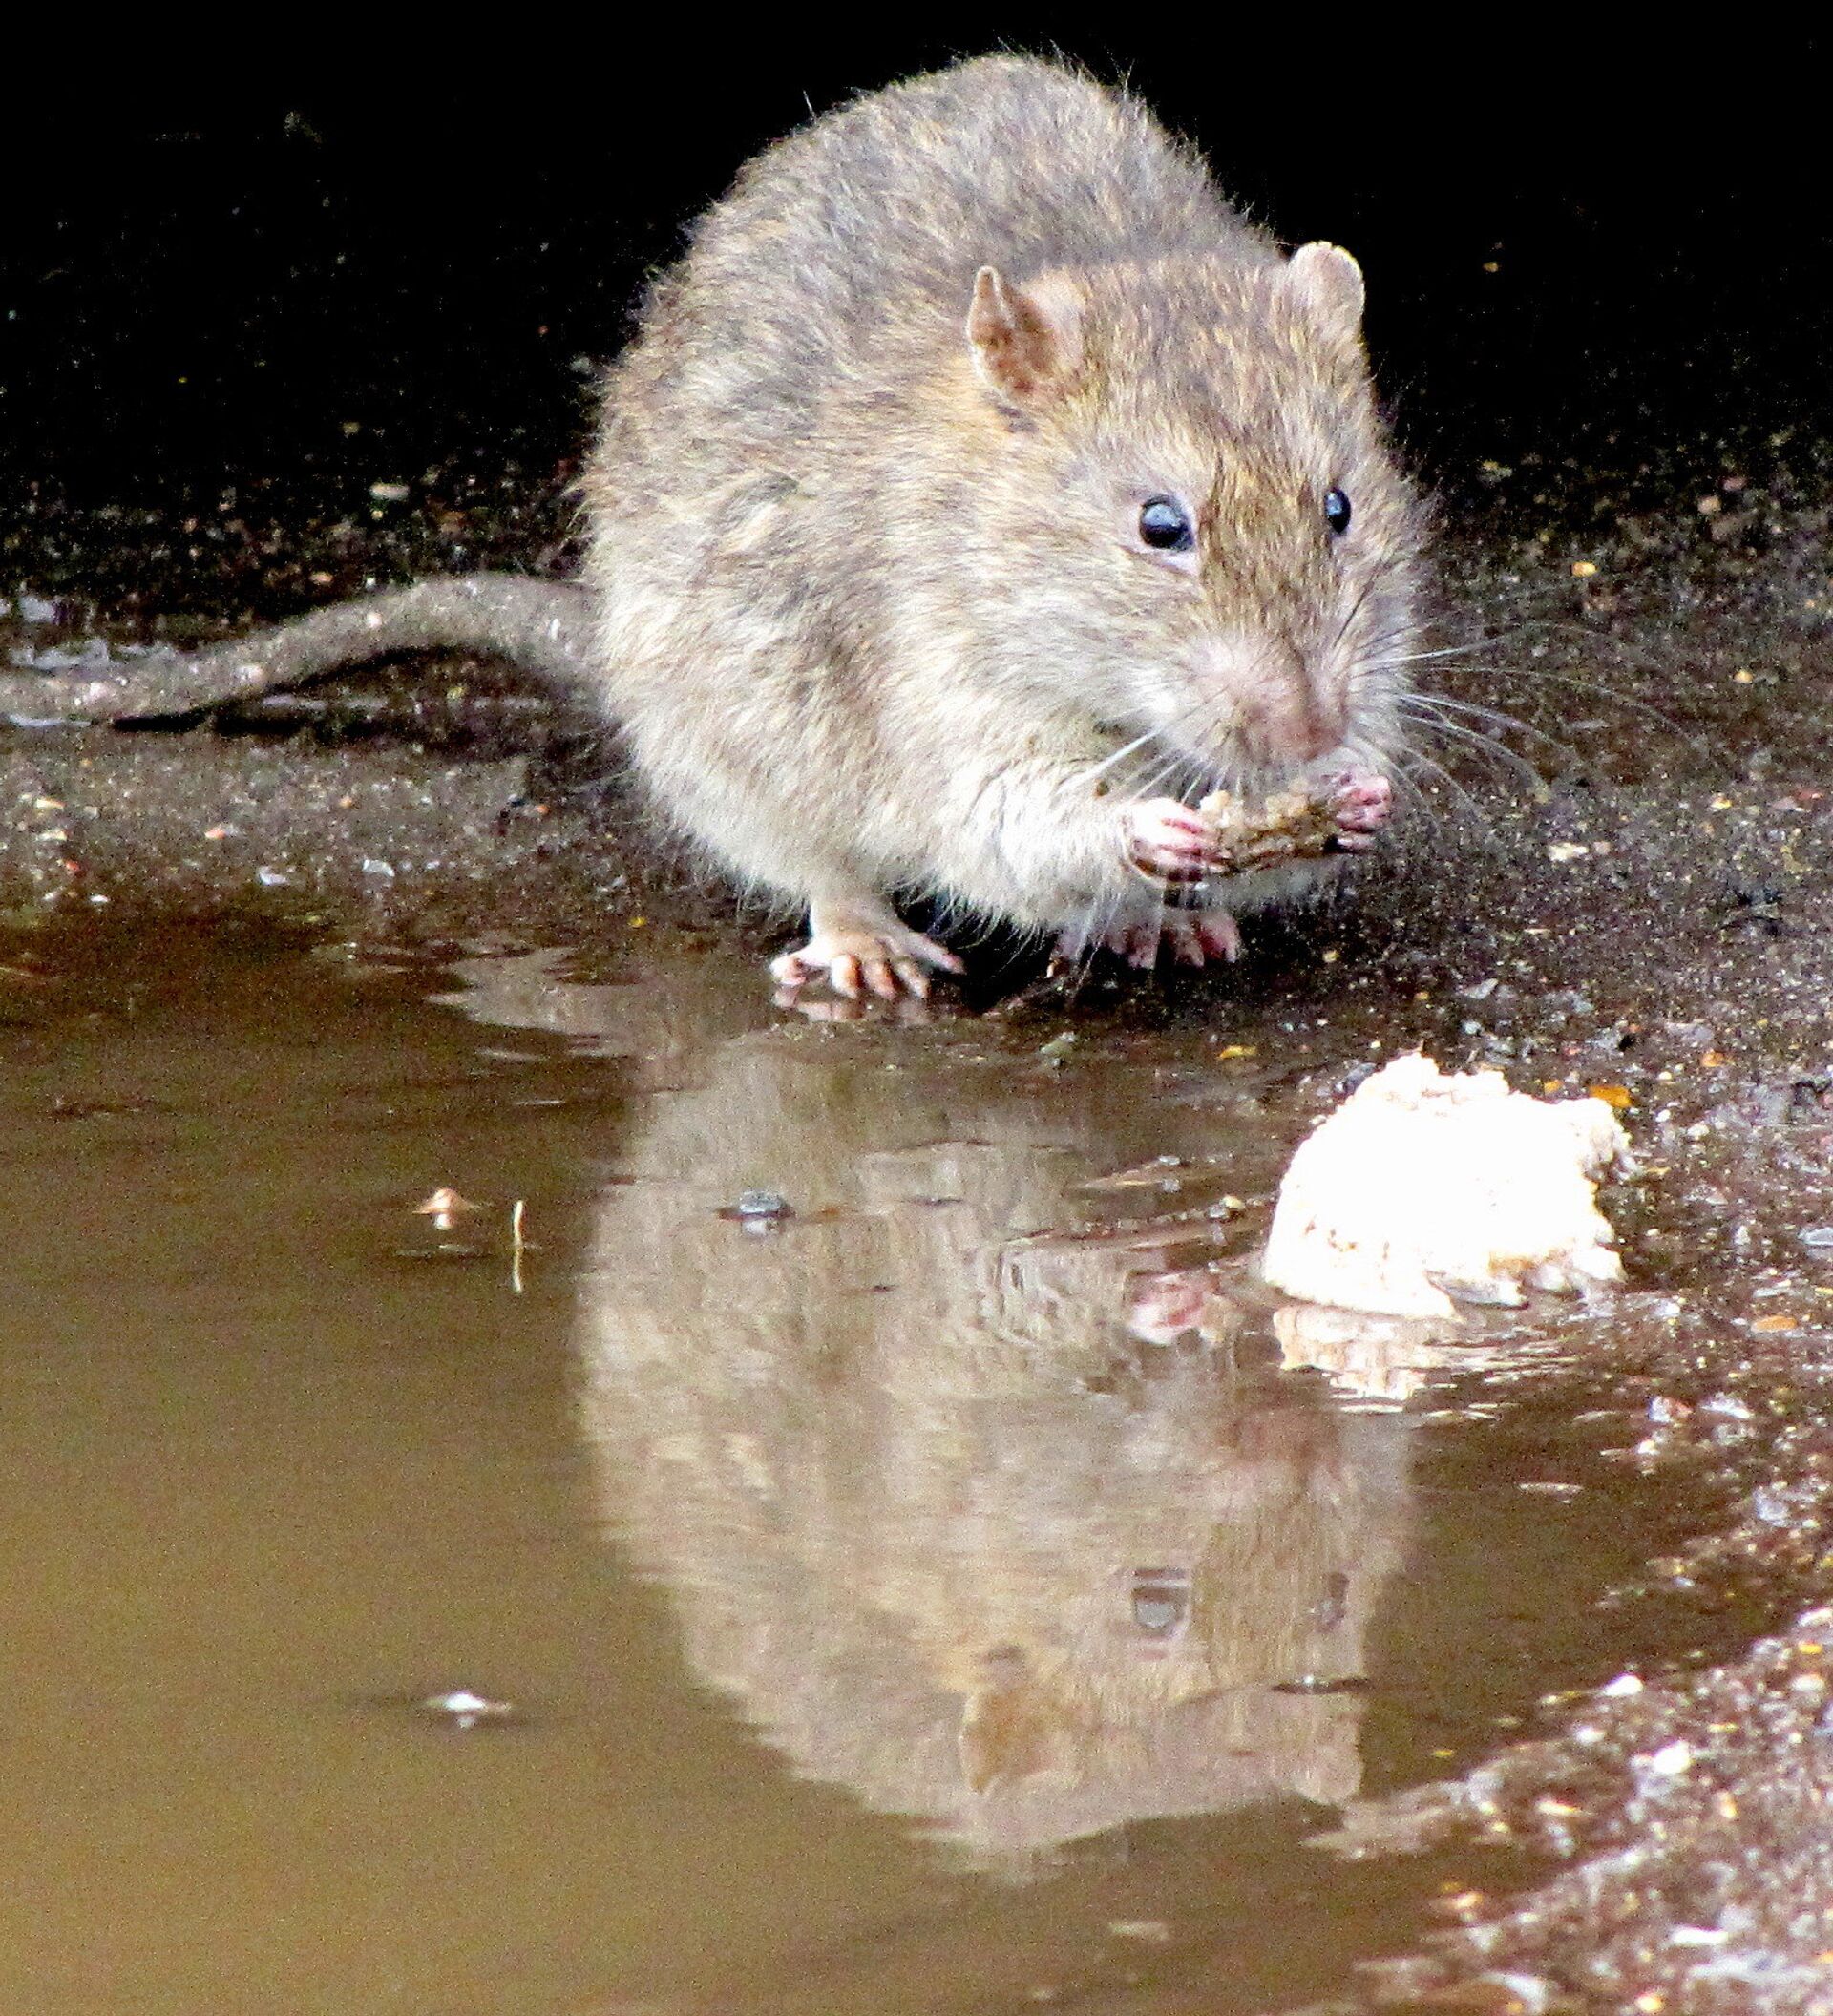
{"x": 1424, "y": 1189}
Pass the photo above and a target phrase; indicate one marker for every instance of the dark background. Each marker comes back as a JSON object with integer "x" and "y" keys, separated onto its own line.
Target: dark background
{"x": 1584, "y": 245}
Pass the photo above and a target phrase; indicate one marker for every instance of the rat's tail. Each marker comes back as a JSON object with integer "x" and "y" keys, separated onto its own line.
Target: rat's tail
{"x": 543, "y": 626}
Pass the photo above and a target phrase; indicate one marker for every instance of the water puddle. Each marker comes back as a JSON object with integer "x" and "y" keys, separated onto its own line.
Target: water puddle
{"x": 833, "y": 1546}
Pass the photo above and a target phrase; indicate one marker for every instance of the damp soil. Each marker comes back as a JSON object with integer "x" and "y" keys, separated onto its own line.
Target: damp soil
{"x": 823, "y": 1520}
{"x": 949, "y": 1591}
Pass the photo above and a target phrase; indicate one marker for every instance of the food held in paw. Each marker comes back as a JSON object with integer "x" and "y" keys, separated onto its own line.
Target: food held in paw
{"x": 1424, "y": 1189}
{"x": 1291, "y": 824}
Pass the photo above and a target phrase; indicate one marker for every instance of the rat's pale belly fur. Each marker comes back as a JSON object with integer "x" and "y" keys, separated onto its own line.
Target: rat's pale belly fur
{"x": 804, "y": 787}
{"x": 867, "y": 606}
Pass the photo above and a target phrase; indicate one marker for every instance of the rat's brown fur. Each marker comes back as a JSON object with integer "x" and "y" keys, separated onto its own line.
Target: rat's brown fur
{"x": 872, "y": 603}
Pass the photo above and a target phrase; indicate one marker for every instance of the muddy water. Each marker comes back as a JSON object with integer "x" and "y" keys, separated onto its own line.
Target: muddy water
{"x": 936, "y": 1598}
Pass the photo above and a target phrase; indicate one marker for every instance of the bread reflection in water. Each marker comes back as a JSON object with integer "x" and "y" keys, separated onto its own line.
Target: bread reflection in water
{"x": 931, "y": 1516}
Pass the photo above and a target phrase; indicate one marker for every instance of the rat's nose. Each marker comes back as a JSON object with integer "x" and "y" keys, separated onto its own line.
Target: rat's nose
{"x": 1285, "y": 717}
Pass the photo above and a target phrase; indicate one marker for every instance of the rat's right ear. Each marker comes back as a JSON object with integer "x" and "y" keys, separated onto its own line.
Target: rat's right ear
{"x": 1025, "y": 342}
{"x": 1329, "y": 283}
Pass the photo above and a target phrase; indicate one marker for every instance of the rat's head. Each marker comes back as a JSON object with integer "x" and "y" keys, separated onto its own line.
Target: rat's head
{"x": 1201, "y": 527}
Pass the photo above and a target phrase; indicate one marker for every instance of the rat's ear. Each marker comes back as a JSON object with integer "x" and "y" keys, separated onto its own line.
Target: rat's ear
{"x": 1328, "y": 284}
{"x": 1027, "y": 342}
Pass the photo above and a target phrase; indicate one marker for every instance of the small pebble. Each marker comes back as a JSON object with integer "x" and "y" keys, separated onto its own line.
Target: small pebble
{"x": 1769, "y": 1506}
{"x": 1672, "y": 1760}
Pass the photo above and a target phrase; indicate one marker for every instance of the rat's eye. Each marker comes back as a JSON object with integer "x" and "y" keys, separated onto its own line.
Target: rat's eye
{"x": 1165, "y": 525}
{"x": 1337, "y": 512}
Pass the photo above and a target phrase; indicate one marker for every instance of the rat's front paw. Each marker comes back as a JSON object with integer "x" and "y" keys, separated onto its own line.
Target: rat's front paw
{"x": 1166, "y": 842}
{"x": 1359, "y": 802}
{"x": 856, "y": 955}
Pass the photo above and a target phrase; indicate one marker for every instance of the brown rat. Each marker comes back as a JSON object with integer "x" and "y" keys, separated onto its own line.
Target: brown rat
{"x": 980, "y": 487}
{"x": 979, "y": 492}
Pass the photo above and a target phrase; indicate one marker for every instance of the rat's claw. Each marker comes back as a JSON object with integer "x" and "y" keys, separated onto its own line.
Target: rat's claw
{"x": 1165, "y": 841}
{"x": 1204, "y": 936}
{"x": 1359, "y": 802}
{"x": 1193, "y": 939}
{"x": 857, "y": 957}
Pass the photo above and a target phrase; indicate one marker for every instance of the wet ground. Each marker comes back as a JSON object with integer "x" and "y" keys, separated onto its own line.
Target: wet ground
{"x": 939, "y": 1598}
{"x": 958, "y": 1589}
{"x": 960, "y": 1594}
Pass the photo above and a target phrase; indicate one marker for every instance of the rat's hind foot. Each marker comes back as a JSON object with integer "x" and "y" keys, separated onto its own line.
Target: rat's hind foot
{"x": 1191, "y": 938}
{"x": 861, "y": 946}
{"x": 1203, "y": 935}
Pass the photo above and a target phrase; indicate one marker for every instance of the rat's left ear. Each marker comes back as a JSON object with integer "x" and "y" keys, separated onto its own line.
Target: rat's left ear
{"x": 1027, "y": 342}
{"x": 1328, "y": 284}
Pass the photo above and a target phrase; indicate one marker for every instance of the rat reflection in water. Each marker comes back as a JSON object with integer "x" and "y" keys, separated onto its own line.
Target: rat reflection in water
{"x": 930, "y": 1516}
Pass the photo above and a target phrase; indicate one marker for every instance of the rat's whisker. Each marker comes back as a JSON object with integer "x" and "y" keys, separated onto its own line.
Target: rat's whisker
{"x": 1406, "y": 787}
{"x": 1434, "y": 708}
{"x": 1484, "y": 826}
{"x": 1096, "y": 771}
{"x": 1355, "y": 609}
{"x": 1500, "y": 754}
{"x": 1618, "y": 699}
